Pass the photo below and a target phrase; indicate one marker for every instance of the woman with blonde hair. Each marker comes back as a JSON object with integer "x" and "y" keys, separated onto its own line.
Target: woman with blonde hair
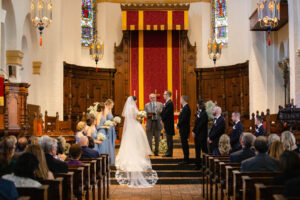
{"x": 224, "y": 145}
{"x": 109, "y": 105}
{"x": 80, "y": 130}
{"x": 42, "y": 172}
{"x": 289, "y": 141}
{"x": 276, "y": 150}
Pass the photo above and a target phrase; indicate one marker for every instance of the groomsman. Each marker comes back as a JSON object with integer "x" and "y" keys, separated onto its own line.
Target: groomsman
{"x": 184, "y": 127}
{"x": 200, "y": 132}
{"x": 153, "y": 126}
{"x": 260, "y": 131}
{"x": 217, "y": 130}
{"x": 167, "y": 117}
{"x": 236, "y": 133}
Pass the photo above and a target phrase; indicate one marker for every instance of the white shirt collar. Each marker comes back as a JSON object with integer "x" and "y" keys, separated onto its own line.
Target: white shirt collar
{"x": 237, "y": 122}
{"x": 168, "y": 100}
{"x": 259, "y": 125}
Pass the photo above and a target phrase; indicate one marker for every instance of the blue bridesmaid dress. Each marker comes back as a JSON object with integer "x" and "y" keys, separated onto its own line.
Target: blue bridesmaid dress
{"x": 101, "y": 148}
{"x": 112, "y": 139}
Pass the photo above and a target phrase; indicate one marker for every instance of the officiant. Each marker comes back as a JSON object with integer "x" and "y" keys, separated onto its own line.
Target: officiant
{"x": 153, "y": 126}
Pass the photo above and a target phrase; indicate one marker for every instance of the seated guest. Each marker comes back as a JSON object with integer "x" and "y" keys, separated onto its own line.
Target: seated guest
{"x": 61, "y": 148}
{"x": 260, "y": 131}
{"x": 33, "y": 140}
{"x": 75, "y": 154}
{"x": 289, "y": 166}
{"x": 23, "y": 175}
{"x": 42, "y": 172}
{"x": 86, "y": 151}
{"x": 291, "y": 188}
{"x": 276, "y": 150}
{"x": 91, "y": 142}
{"x": 237, "y": 130}
{"x": 224, "y": 145}
{"x": 246, "y": 152}
{"x": 289, "y": 141}
{"x": 21, "y": 147}
{"x": 7, "y": 150}
{"x": 8, "y": 190}
{"x": 262, "y": 161}
{"x": 273, "y": 137}
{"x": 50, "y": 147}
{"x": 80, "y": 130}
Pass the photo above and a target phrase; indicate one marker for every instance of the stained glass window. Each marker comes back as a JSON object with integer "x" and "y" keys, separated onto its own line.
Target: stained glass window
{"x": 88, "y": 21}
{"x": 221, "y": 24}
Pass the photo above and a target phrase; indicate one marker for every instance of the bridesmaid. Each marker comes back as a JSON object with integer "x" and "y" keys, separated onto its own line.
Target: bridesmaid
{"x": 101, "y": 146}
{"x": 81, "y": 126}
{"x": 91, "y": 122}
{"x": 109, "y": 104}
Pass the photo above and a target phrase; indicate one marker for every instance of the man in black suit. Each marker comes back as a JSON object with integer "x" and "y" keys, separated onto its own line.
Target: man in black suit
{"x": 86, "y": 151}
{"x": 167, "y": 116}
{"x": 184, "y": 127}
{"x": 262, "y": 161}
{"x": 217, "y": 130}
{"x": 236, "y": 132}
{"x": 260, "y": 130}
{"x": 50, "y": 148}
{"x": 200, "y": 132}
{"x": 246, "y": 140}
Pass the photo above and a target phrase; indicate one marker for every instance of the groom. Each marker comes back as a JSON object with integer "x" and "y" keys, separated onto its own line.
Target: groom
{"x": 167, "y": 117}
{"x": 153, "y": 126}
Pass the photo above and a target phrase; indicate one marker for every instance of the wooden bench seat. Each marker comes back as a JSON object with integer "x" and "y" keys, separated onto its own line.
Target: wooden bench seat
{"x": 40, "y": 193}
{"x": 67, "y": 184}
{"x": 55, "y": 190}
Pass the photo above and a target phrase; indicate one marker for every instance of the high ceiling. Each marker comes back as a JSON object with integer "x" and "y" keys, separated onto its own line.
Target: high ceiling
{"x": 152, "y": 1}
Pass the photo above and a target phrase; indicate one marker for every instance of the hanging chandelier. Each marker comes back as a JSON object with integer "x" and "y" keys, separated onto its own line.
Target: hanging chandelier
{"x": 214, "y": 49}
{"x": 268, "y": 15}
{"x": 41, "y": 15}
{"x": 96, "y": 50}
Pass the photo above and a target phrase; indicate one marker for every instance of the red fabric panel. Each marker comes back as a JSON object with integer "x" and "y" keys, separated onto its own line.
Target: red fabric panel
{"x": 134, "y": 62}
{"x": 155, "y": 18}
{"x": 176, "y": 68}
{"x": 178, "y": 19}
{"x": 155, "y": 63}
{"x": 1, "y": 86}
{"x": 132, "y": 19}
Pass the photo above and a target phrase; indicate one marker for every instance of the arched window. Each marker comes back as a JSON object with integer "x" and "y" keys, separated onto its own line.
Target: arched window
{"x": 221, "y": 21}
{"x": 88, "y": 21}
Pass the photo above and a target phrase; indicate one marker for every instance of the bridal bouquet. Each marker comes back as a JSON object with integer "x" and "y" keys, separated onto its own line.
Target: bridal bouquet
{"x": 101, "y": 137}
{"x": 117, "y": 120}
{"x": 108, "y": 123}
{"x": 142, "y": 114}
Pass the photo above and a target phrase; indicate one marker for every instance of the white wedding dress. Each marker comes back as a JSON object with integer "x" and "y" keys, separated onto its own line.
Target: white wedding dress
{"x": 133, "y": 165}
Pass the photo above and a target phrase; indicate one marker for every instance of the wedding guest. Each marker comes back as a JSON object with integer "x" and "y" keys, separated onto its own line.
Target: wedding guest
{"x": 50, "y": 148}
{"x": 80, "y": 130}
{"x": 42, "y": 172}
{"x": 61, "y": 148}
{"x": 273, "y": 137}
{"x": 8, "y": 190}
{"x": 237, "y": 130}
{"x": 91, "y": 142}
{"x": 276, "y": 150}
{"x": 75, "y": 154}
{"x": 167, "y": 116}
{"x": 289, "y": 141}
{"x": 33, "y": 140}
{"x": 217, "y": 130}
{"x": 91, "y": 122}
{"x": 260, "y": 131}
{"x": 109, "y": 105}
{"x": 101, "y": 146}
{"x": 7, "y": 149}
{"x": 22, "y": 144}
{"x": 246, "y": 152}
{"x": 200, "y": 132}
{"x": 224, "y": 146}
{"x": 23, "y": 174}
{"x": 184, "y": 127}
{"x": 86, "y": 151}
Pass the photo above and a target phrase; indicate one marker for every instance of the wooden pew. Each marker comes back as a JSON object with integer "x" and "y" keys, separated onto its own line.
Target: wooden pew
{"x": 67, "y": 184}
{"x": 249, "y": 185}
{"x": 229, "y": 190}
{"x": 281, "y": 197}
{"x": 50, "y": 122}
{"x": 266, "y": 192}
{"x": 205, "y": 170}
{"x": 216, "y": 175}
{"x": 87, "y": 181}
{"x": 24, "y": 198}
{"x": 40, "y": 193}
{"x": 106, "y": 175}
{"x": 55, "y": 188}
{"x": 93, "y": 178}
{"x": 78, "y": 181}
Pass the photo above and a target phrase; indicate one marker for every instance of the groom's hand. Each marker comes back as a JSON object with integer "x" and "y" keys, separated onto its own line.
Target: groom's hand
{"x": 162, "y": 123}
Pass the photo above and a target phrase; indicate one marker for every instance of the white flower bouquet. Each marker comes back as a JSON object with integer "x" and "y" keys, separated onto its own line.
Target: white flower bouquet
{"x": 117, "y": 120}
{"x": 162, "y": 146}
{"x": 93, "y": 109}
{"x": 210, "y": 105}
{"x": 142, "y": 114}
{"x": 108, "y": 123}
{"x": 101, "y": 137}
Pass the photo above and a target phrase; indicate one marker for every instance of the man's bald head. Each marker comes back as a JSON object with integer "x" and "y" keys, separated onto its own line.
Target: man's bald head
{"x": 152, "y": 97}
{"x": 84, "y": 141}
{"x": 217, "y": 111}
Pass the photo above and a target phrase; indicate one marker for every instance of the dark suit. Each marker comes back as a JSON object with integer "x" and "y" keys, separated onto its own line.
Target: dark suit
{"x": 241, "y": 155}
{"x": 261, "y": 162}
{"x": 200, "y": 130}
{"x": 56, "y": 166}
{"x": 167, "y": 117}
{"x": 216, "y": 131}
{"x": 260, "y": 131}
{"x": 184, "y": 129}
{"x": 89, "y": 153}
{"x": 237, "y": 130}
{"x": 291, "y": 188}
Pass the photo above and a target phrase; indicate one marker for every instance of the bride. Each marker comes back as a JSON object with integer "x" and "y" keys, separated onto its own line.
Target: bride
{"x": 133, "y": 163}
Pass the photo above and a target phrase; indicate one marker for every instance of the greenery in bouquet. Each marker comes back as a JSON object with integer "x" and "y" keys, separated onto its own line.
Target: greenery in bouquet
{"x": 117, "y": 120}
{"x": 210, "y": 105}
{"x": 162, "y": 149}
{"x": 142, "y": 114}
{"x": 101, "y": 137}
{"x": 93, "y": 109}
{"x": 108, "y": 123}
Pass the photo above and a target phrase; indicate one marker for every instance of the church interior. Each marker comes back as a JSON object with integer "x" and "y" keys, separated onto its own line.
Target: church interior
{"x": 68, "y": 64}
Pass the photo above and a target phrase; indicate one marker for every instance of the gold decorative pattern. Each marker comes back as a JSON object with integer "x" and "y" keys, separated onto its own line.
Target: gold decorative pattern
{"x": 14, "y": 57}
{"x": 153, "y": 1}
{"x": 36, "y": 66}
